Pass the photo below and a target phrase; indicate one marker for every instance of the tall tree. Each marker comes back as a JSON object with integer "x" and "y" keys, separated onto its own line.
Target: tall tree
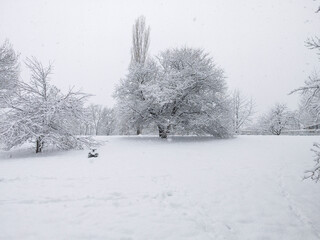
{"x": 139, "y": 54}
{"x": 39, "y": 112}
{"x": 140, "y": 41}
{"x": 9, "y": 70}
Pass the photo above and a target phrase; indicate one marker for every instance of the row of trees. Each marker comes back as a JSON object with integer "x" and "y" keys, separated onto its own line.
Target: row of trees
{"x": 182, "y": 92}
{"x": 279, "y": 119}
{"x": 179, "y": 91}
{"x": 99, "y": 121}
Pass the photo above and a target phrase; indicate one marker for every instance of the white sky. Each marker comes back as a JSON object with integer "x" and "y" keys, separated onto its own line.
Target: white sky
{"x": 259, "y": 43}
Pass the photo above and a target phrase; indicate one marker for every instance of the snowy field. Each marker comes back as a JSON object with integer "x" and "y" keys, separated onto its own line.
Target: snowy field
{"x": 249, "y": 187}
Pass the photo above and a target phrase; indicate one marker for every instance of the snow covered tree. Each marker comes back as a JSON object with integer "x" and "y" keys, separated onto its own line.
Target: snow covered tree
{"x": 132, "y": 105}
{"x": 102, "y": 119}
{"x": 9, "y": 71}
{"x": 137, "y": 76}
{"x": 108, "y": 123}
{"x": 306, "y": 114}
{"x": 129, "y": 93}
{"x": 96, "y": 117}
{"x": 183, "y": 90}
{"x": 39, "y": 112}
{"x": 242, "y": 109}
{"x": 277, "y": 119}
{"x": 189, "y": 93}
{"x": 311, "y": 93}
{"x": 139, "y": 54}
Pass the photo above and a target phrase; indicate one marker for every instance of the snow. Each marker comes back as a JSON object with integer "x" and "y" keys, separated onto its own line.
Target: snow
{"x": 249, "y": 187}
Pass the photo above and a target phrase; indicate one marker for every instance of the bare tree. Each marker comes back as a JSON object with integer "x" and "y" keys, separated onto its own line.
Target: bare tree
{"x": 96, "y": 117}
{"x": 108, "y": 121}
{"x": 101, "y": 119}
{"x": 242, "y": 110}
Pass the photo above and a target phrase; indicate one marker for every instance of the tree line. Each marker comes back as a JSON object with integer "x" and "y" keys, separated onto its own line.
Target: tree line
{"x": 180, "y": 91}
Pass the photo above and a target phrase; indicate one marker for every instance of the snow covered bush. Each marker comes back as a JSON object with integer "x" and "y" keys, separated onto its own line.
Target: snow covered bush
{"x": 39, "y": 112}
{"x": 181, "y": 89}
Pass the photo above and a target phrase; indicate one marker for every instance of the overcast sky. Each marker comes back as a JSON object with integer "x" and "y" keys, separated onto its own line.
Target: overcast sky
{"x": 259, "y": 43}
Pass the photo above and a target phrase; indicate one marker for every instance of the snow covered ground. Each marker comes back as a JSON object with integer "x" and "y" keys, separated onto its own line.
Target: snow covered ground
{"x": 249, "y": 187}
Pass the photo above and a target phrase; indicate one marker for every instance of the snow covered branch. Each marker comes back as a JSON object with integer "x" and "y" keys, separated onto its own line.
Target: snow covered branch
{"x": 314, "y": 174}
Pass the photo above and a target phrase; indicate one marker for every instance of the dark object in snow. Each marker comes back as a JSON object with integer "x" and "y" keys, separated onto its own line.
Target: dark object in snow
{"x": 93, "y": 153}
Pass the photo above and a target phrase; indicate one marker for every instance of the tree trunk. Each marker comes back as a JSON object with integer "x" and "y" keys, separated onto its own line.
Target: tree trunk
{"x": 39, "y": 145}
{"x": 163, "y": 131}
{"x": 86, "y": 130}
{"x": 139, "y": 130}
